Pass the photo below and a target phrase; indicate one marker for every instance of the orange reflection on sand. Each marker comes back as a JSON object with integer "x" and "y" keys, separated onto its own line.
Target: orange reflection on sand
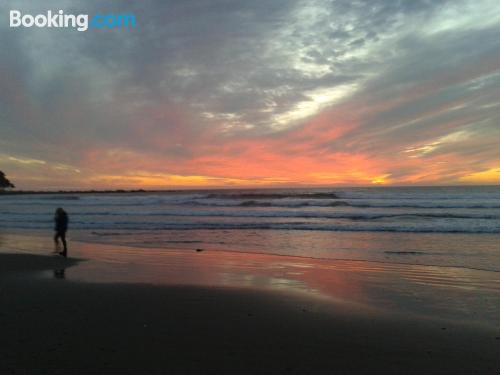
{"x": 217, "y": 269}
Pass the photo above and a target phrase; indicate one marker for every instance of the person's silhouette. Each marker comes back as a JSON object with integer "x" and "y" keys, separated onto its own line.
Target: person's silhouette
{"x": 61, "y": 226}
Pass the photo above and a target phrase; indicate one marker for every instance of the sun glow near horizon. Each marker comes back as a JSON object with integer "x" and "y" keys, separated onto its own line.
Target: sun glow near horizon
{"x": 329, "y": 93}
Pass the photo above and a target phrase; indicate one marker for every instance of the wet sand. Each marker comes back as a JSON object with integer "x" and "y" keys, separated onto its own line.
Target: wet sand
{"x": 52, "y": 325}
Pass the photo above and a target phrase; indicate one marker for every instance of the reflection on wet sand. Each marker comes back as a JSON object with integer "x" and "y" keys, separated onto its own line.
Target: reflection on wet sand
{"x": 60, "y": 273}
{"x": 445, "y": 292}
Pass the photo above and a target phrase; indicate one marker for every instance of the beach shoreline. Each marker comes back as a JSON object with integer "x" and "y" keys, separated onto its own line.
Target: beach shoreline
{"x": 468, "y": 296}
{"x": 81, "y": 324}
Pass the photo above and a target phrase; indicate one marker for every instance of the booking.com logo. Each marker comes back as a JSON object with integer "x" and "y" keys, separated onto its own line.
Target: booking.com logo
{"x": 79, "y": 22}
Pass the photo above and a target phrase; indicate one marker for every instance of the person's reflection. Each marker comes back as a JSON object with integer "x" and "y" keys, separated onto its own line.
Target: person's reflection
{"x": 60, "y": 273}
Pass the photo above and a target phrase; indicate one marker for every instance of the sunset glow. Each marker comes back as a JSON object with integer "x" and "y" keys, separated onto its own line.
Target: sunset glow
{"x": 254, "y": 95}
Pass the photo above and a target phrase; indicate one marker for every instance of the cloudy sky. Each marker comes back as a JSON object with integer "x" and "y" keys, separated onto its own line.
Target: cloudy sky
{"x": 253, "y": 93}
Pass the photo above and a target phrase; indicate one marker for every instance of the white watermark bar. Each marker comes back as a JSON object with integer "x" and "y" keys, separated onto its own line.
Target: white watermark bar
{"x": 80, "y": 22}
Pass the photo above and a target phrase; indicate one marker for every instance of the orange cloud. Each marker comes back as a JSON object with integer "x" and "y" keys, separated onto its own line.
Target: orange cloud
{"x": 490, "y": 176}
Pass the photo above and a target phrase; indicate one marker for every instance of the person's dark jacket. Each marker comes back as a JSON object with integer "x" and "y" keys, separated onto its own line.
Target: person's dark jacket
{"x": 61, "y": 222}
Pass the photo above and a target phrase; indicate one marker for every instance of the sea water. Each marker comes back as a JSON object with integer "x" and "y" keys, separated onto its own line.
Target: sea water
{"x": 441, "y": 226}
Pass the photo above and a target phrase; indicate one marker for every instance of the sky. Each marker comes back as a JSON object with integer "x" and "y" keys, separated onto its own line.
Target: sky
{"x": 260, "y": 93}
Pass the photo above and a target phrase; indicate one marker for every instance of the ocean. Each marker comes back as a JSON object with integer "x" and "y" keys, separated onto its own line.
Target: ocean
{"x": 437, "y": 226}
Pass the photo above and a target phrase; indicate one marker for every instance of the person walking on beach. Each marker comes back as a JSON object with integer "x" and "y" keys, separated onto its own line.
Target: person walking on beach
{"x": 61, "y": 226}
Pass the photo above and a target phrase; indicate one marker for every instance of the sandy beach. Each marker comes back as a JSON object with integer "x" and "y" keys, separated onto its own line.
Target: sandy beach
{"x": 121, "y": 315}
